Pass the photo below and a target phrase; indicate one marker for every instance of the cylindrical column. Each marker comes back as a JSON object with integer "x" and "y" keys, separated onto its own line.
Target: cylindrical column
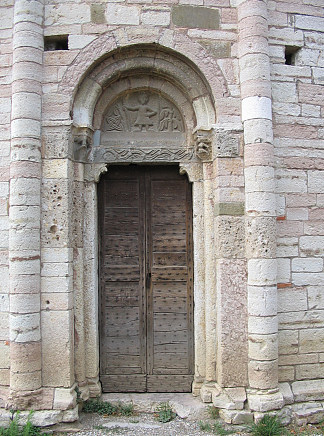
{"x": 24, "y": 212}
{"x": 210, "y": 273}
{"x": 199, "y": 284}
{"x": 260, "y": 197}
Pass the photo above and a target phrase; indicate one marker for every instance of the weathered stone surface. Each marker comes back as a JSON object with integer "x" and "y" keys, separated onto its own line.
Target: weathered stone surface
{"x": 195, "y": 17}
{"x": 221, "y": 400}
{"x": 98, "y": 13}
{"x": 232, "y": 315}
{"x": 310, "y": 412}
{"x": 65, "y": 398}
{"x": 287, "y": 394}
{"x": 308, "y": 390}
{"x": 238, "y": 417}
{"x": 232, "y": 209}
{"x": 265, "y": 402}
{"x": 229, "y": 237}
{"x": 237, "y": 395}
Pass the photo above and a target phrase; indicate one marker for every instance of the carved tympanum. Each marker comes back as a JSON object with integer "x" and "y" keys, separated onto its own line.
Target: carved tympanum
{"x": 143, "y": 111}
{"x": 142, "y": 119}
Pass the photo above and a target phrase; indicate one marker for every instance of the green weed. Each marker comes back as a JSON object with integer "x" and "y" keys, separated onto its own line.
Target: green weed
{"x": 205, "y": 426}
{"x": 126, "y": 409}
{"x": 164, "y": 413}
{"x": 220, "y": 430}
{"x": 15, "y": 429}
{"x": 217, "y": 428}
{"x": 106, "y": 408}
{"x": 213, "y": 412}
{"x": 269, "y": 425}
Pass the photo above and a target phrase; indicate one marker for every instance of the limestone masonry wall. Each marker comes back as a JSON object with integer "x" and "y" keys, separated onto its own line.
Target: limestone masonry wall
{"x": 247, "y": 76}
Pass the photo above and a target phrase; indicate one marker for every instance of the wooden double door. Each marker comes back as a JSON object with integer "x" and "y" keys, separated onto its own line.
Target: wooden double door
{"x": 146, "y": 280}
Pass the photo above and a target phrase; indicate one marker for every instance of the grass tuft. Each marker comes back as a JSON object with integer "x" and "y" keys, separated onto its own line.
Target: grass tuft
{"x": 269, "y": 425}
{"x": 213, "y": 412}
{"x": 106, "y": 408}
{"x": 15, "y": 429}
{"x": 164, "y": 413}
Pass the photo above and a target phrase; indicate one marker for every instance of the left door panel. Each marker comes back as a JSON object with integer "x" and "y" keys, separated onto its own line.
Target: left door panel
{"x": 123, "y": 311}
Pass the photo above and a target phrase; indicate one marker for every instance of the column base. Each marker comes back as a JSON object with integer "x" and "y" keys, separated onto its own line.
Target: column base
{"x": 30, "y": 400}
{"x": 94, "y": 385}
{"x": 263, "y": 401}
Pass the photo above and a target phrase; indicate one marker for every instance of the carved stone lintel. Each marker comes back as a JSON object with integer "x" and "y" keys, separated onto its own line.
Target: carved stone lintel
{"x": 142, "y": 154}
{"x": 82, "y": 140}
{"x": 203, "y": 144}
{"x": 93, "y": 171}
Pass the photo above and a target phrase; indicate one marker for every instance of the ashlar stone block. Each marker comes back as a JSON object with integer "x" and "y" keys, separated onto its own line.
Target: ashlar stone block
{"x": 121, "y": 14}
{"x": 265, "y": 402}
{"x": 195, "y": 17}
{"x": 65, "y": 398}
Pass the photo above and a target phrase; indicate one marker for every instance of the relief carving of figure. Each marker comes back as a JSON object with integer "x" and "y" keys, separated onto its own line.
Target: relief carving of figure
{"x": 170, "y": 121}
{"x": 143, "y": 120}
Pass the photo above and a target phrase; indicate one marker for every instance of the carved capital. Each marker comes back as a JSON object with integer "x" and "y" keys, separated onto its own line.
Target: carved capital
{"x": 203, "y": 144}
{"x": 92, "y": 172}
{"x": 194, "y": 170}
{"x": 82, "y": 140}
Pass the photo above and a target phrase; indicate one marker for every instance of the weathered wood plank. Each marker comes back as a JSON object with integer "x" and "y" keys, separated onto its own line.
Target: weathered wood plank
{"x": 169, "y": 259}
{"x": 123, "y": 383}
{"x": 169, "y": 304}
{"x": 174, "y": 273}
{"x": 169, "y": 383}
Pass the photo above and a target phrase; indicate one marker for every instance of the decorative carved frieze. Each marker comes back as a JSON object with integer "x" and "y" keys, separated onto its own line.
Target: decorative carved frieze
{"x": 142, "y": 154}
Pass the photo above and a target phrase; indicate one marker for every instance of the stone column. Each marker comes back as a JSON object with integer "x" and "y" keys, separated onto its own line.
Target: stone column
{"x": 194, "y": 172}
{"x": 90, "y": 276}
{"x": 210, "y": 273}
{"x": 260, "y": 205}
{"x": 24, "y": 212}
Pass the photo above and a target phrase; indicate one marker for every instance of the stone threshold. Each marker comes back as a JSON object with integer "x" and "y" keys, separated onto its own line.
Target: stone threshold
{"x": 185, "y": 405}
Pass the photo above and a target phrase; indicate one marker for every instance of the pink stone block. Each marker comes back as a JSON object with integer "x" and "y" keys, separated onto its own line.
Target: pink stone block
{"x": 258, "y": 154}
{"x": 25, "y": 169}
{"x": 289, "y": 228}
{"x": 295, "y": 131}
{"x": 309, "y": 93}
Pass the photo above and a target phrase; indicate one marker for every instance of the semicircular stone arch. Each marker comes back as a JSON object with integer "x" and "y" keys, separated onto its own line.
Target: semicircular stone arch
{"x": 169, "y": 40}
{"x": 152, "y": 71}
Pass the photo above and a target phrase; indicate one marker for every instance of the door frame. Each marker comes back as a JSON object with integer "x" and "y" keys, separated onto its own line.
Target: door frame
{"x": 204, "y": 274}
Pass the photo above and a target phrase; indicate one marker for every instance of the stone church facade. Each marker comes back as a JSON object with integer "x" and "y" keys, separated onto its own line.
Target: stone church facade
{"x": 161, "y": 204}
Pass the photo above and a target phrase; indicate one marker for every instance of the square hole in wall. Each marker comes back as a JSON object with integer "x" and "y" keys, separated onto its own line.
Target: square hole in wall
{"x": 56, "y": 42}
{"x": 290, "y": 54}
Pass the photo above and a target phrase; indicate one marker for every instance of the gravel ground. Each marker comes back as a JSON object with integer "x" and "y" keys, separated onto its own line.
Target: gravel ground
{"x": 137, "y": 425}
{"x": 145, "y": 424}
